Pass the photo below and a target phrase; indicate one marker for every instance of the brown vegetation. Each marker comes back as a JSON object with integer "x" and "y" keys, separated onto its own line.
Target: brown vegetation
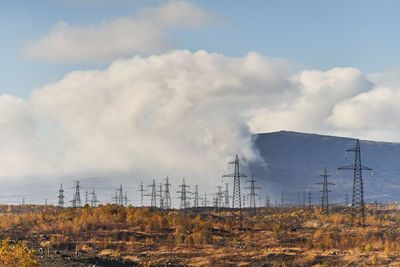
{"x": 275, "y": 236}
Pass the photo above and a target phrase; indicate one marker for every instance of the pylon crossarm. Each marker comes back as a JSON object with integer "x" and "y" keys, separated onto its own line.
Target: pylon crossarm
{"x": 350, "y": 167}
{"x": 366, "y": 168}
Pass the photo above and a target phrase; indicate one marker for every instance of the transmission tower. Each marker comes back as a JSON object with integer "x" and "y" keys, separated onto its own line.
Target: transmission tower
{"x": 347, "y": 199}
{"x": 141, "y": 189}
{"x": 218, "y": 197}
{"x": 205, "y": 201}
{"x": 184, "y": 199}
{"x": 167, "y": 197}
{"x": 309, "y": 199}
{"x": 160, "y": 195}
{"x": 61, "y": 196}
{"x": 304, "y": 198}
{"x": 282, "y": 200}
{"x": 236, "y": 201}
{"x": 153, "y": 194}
{"x": 252, "y": 194}
{"x": 267, "y": 201}
{"x": 244, "y": 201}
{"x": 196, "y": 197}
{"x": 126, "y": 200}
{"x": 93, "y": 201}
{"x": 120, "y": 196}
{"x": 357, "y": 201}
{"x": 86, "y": 197}
{"x": 324, "y": 199}
{"x": 76, "y": 201}
{"x": 226, "y": 195}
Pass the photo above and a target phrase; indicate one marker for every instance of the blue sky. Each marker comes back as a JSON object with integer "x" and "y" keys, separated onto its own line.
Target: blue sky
{"x": 310, "y": 34}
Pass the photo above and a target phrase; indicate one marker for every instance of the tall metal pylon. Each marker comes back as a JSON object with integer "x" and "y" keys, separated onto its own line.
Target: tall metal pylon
{"x": 167, "y": 197}
{"x": 153, "y": 194}
{"x": 226, "y": 192}
{"x": 357, "y": 201}
{"x": 205, "y": 201}
{"x": 126, "y": 200}
{"x": 184, "y": 204}
{"x": 120, "y": 196}
{"x": 236, "y": 198}
{"x": 93, "y": 201}
{"x": 61, "y": 196}
{"x": 76, "y": 201}
{"x": 141, "y": 189}
{"x": 86, "y": 196}
{"x": 267, "y": 201}
{"x": 252, "y": 204}
{"x": 244, "y": 201}
{"x": 309, "y": 199}
{"x": 325, "y": 199}
{"x": 218, "y": 197}
{"x": 160, "y": 195}
{"x": 196, "y": 197}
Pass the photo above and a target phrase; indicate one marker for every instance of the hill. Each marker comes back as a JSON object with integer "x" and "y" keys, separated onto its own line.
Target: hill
{"x": 295, "y": 161}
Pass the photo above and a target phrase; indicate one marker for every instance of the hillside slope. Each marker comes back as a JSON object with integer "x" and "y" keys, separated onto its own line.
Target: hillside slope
{"x": 295, "y": 161}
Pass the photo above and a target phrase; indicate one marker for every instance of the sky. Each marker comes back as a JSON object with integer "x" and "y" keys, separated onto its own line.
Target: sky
{"x": 145, "y": 89}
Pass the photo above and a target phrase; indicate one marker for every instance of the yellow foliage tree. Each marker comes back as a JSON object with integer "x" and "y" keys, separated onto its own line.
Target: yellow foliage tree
{"x": 17, "y": 255}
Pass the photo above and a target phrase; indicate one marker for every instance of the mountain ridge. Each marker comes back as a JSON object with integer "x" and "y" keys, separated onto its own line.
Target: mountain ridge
{"x": 295, "y": 160}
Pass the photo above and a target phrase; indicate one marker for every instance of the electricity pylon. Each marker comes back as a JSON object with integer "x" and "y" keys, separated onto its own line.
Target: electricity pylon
{"x": 196, "y": 197}
{"x": 141, "y": 189}
{"x": 324, "y": 199}
{"x": 160, "y": 194}
{"x": 94, "y": 200}
{"x": 184, "y": 199}
{"x": 205, "y": 201}
{"x": 226, "y": 192}
{"x": 252, "y": 194}
{"x": 61, "y": 196}
{"x": 357, "y": 201}
{"x": 236, "y": 200}
{"x": 76, "y": 201}
{"x": 167, "y": 197}
{"x": 153, "y": 194}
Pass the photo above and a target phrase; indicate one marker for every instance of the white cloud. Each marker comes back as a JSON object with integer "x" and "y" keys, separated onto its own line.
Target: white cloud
{"x": 184, "y": 114}
{"x": 318, "y": 93}
{"x": 177, "y": 114}
{"x": 145, "y": 32}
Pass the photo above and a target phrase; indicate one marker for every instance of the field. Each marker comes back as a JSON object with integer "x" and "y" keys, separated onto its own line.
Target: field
{"x": 112, "y": 235}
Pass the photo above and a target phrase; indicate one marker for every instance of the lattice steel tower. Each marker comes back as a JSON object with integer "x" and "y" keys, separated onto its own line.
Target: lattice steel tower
{"x": 141, "y": 189}
{"x": 226, "y": 192}
{"x": 61, "y": 196}
{"x": 167, "y": 197}
{"x": 93, "y": 201}
{"x": 196, "y": 197}
{"x": 324, "y": 199}
{"x": 153, "y": 194}
{"x": 357, "y": 201}
{"x": 76, "y": 202}
{"x": 236, "y": 201}
{"x": 252, "y": 204}
{"x": 184, "y": 199}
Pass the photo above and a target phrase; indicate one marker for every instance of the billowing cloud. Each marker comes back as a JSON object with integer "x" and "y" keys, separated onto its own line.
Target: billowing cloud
{"x": 318, "y": 93}
{"x": 144, "y": 32}
{"x": 177, "y": 114}
{"x": 184, "y": 114}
